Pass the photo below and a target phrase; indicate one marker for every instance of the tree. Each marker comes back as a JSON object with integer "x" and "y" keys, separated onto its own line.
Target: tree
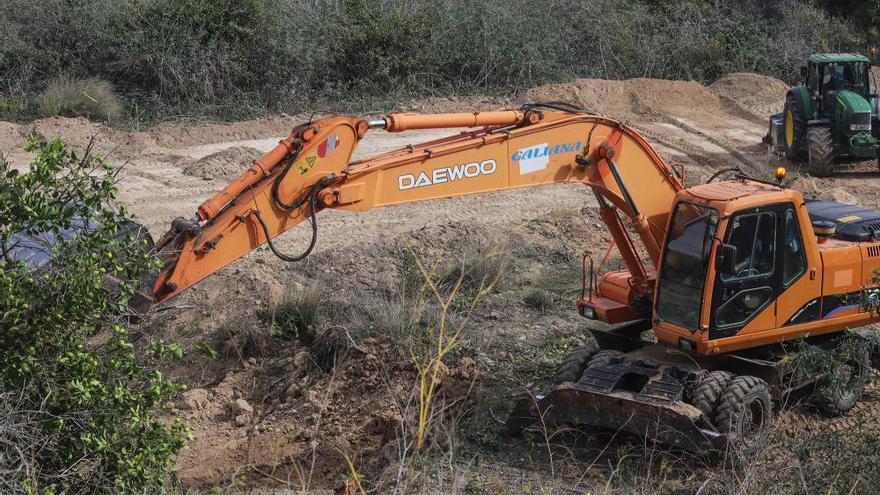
{"x": 79, "y": 412}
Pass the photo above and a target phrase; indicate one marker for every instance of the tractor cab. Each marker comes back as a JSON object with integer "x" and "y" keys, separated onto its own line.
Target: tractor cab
{"x": 827, "y": 74}
{"x": 832, "y": 113}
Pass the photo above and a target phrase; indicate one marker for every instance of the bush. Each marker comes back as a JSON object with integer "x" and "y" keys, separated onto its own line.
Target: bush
{"x": 91, "y": 98}
{"x": 237, "y": 58}
{"x": 298, "y": 315}
{"x": 538, "y": 299}
{"x": 85, "y": 410}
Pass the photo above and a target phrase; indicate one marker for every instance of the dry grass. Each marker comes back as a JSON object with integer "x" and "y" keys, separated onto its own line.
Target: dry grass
{"x": 479, "y": 264}
{"x": 298, "y": 315}
{"x": 245, "y": 338}
{"x": 91, "y": 98}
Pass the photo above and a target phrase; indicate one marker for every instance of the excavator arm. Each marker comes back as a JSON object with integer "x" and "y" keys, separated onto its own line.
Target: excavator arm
{"x": 312, "y": 170}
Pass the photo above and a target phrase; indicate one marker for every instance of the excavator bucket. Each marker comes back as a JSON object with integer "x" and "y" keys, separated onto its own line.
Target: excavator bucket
{"x": 36, "y": 248}
{"x": 633, "y": 397}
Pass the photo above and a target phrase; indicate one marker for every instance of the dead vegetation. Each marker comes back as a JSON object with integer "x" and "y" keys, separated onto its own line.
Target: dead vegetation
{"x": 91, "y": 98}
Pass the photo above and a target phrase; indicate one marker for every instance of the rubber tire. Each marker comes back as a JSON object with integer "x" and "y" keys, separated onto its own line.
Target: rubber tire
{"x": 572, "y": 365}
{"x": 796, "y": 152}
{"x": 820, "y": 151}
{"x": 832, "y": 400}
{"x": 709, "y": 389}
{"x": 741, "y": 395}
{"x": 604, "y": 358}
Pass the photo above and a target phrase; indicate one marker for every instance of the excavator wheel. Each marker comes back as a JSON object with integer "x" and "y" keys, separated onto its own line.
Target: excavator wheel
{"x": 708, "y": 390}
{"x": 604, "y": 358}
{"x": 841, "y": 390}
{"x": 573, "y": 364}
{"x": 745, "y": 412}
{"x": 820, "y": 148}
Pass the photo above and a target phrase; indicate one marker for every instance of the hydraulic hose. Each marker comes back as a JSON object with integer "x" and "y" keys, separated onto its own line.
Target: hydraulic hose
{"x": 312, "y": 199}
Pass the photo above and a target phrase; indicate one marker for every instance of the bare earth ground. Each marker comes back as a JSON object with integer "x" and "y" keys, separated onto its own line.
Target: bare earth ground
{"x": 299, "y": 413}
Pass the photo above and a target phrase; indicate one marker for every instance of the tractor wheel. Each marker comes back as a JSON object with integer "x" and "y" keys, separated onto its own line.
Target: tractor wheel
{"x": 842, "y": 388}
{"x": 745, "y": 412}
{"x": 573, "y": 364}
{"x": 604, "y": 358}
{"x": 708, "y": 390}
{"x": 821, "y": 151}
{"x": 794, "y": 129}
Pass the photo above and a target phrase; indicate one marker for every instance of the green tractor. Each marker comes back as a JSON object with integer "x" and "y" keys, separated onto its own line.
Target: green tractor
{"x": 832, "y": 113}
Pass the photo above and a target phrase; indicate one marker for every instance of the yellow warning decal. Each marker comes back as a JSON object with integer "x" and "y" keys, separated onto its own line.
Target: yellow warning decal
{"x": 851, "y": 218}
{"x": 307, "y": 163}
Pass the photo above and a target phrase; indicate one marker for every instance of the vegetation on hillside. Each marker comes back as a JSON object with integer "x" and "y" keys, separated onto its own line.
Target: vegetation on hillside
{"x": 234, "y": 58}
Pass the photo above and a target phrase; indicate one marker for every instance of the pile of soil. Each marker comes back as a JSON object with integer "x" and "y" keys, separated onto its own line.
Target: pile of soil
{"x": 760, "y": 95}
{"x": 437, "y": 104}
{"x": 77, "y": 132}
{"x": 631, "y": 98}
{"x": 172, "y": 135}
{"x": 10, "y": 137}
{"x": 225, "y": 164}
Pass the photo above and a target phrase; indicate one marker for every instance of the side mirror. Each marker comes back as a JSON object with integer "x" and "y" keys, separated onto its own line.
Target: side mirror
{"x": 725, "y": 261}
{"x": 805, "y": 71}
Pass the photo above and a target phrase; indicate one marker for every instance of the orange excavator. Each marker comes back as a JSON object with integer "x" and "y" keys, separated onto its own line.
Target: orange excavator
{"x": 725, "y": 274}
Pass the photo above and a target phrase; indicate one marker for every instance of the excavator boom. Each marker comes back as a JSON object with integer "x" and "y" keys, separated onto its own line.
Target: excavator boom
{"x": 312, "y": 170}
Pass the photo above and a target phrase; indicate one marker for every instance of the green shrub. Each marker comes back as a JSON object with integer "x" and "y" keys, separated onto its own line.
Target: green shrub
{"x": 538, "y": 299}
{"x": 298, "y": 315}
{"x": 91, "y": 98}
{"x": 79, "y": 412}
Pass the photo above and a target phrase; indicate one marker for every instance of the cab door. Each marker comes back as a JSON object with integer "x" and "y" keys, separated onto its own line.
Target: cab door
{"x": 800, "y": 300}
{"x": 744, "y": 300}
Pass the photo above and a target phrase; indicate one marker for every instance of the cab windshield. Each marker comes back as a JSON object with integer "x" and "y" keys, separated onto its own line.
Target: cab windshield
{"x": 850, "y": 76}
{"x": 685, "y": 260}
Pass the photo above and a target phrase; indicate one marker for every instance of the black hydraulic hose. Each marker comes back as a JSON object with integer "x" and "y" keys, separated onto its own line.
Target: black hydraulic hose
{"x": 312, "y": 199}
{"x": 557, "y": 105}
{"x": 723, "y": 171}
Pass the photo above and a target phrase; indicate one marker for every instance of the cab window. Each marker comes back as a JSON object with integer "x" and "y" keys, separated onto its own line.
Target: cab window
{"x": 794, "y": 262}
{"x": 754, "y": 237}
{"x": 740, "y": 308}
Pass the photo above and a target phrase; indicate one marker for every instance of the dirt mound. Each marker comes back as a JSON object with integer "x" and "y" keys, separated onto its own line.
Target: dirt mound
{"x": 226, "y": 164}
{"x": 760, "y": 95}
{"x": 77, "y": 132}
{"x": 631, "y": 98}
{"x": 437, "y": 104}
{"x": 10, "y": 137}
{"x": 178, "y": 134}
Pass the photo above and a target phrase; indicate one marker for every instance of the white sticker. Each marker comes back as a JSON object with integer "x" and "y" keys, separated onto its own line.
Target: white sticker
{"x": 533, "y": 158}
